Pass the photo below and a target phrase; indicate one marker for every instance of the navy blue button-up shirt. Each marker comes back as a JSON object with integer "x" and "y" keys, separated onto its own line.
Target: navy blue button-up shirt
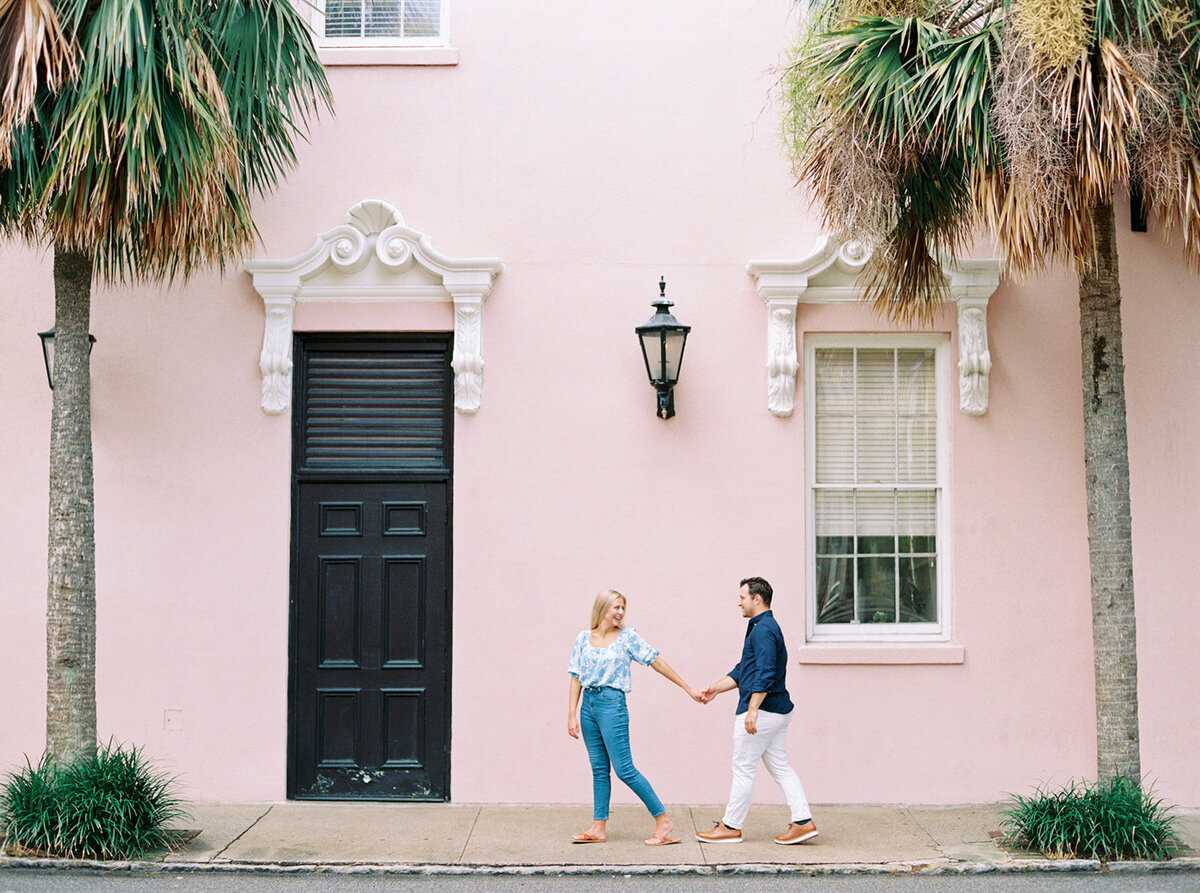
{"x": 763, "y": 666}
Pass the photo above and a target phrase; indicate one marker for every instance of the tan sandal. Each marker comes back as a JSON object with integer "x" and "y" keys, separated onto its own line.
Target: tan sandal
{"x": 661, "y": 841}
{"x": 587, "y": 838}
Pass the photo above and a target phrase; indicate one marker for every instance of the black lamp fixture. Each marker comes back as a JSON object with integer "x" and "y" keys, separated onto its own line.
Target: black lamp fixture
{"x": 48, "y": 351}
{"x": 663, "y": 339}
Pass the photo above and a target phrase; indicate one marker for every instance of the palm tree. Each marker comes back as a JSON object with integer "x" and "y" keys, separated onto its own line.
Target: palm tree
{"x": 133, "y": 135}
{"x": 917, "y": 123}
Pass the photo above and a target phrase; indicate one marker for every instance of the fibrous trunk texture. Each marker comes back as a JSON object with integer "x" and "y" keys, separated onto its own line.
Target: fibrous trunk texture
{"x": 1106, "y": 464}
{"x": 71, "y": 592}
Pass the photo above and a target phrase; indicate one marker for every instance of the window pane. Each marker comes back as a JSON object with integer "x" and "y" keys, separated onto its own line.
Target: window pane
{"x": 917, "y": 450}
{"x": 918, "y": 590}
{"x": 877, "y": 590}
{"x": 876, "y": 513}
{"x": 835, "y": 590}
{"x": 876, "y": 381}
{"x": 382, "y": 18}
{"x": 835, "y": 545}
{"x": 917, "y": 544}
{"x": 343, "y": 18}
{"x": 876, "y": 449}
{"x": 834, "y": 513}
{"x": 834, "y": 380}
{"x": 916, "y": 513}
{"x": 916, "y": 392}
{"x": 835, "y": 449}
{"x": 876, "y": 545}
{"x": 422, "y": 18}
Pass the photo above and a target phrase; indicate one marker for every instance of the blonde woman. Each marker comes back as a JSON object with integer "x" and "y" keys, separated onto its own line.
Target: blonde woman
{"x": 600, "y": 673}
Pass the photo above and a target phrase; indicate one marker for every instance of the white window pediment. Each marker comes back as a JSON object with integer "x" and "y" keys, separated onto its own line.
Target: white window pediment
{"x": 831, "y": 274}
{"x": 373, "y": 257}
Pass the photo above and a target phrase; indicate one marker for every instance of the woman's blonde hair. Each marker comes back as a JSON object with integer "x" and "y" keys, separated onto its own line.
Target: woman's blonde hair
{"x": 603, "y": 602}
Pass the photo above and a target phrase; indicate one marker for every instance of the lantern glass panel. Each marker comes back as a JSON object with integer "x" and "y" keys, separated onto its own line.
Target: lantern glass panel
{"x": 675, "y": 340}
{"x": 652, "y": 354}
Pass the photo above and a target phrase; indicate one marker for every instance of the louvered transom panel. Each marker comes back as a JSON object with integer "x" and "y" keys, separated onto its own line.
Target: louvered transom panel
{"x": 375, "y": 408}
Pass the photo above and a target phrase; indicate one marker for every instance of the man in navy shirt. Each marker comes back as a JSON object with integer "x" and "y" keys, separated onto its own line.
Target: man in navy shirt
{"x": 760, "y": 728}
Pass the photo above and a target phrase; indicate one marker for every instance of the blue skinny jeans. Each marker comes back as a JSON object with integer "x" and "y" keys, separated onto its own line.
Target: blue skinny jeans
{"x": 604, "y": 721}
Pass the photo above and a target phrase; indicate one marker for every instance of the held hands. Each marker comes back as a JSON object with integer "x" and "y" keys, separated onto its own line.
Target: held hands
{"x": 703, "y": 695}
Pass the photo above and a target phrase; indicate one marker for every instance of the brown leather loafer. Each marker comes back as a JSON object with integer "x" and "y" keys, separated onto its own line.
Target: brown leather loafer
{"x": 721, "y": 833}
{"x": 797, "y": 833}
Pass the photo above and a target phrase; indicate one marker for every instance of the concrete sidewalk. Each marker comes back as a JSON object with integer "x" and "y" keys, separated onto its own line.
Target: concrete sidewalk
{"x": 444, "y": 838}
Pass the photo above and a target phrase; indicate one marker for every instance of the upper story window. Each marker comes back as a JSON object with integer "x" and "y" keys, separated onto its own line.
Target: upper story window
{"x": 877, "y": 552}
{"x": 388, "y": 23}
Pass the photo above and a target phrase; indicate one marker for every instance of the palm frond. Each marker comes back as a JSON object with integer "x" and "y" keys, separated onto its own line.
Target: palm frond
{"x": 35, "y": 55}
{"x": 968, "y": 16}
{"x": 1099, "y": 100}
{"x": 955, "y": 91}
{"x": 869, "y": 69}
{"x": 1125, "y": 21}
{"x": 1020, "y": 116}
{"x": 854, "y": 179}
{"x": 145, "y": 169}
{"x": 932, "y": 219}
{"x": 269, "y": 70}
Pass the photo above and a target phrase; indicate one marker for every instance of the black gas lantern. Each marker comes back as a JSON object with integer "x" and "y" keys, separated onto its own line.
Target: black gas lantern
{"x": 663, "y": 339}
{"x": 48, "y": 351}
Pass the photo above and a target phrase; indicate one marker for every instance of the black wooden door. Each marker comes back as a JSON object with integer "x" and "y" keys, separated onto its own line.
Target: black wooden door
{"x": 370, "y": 672}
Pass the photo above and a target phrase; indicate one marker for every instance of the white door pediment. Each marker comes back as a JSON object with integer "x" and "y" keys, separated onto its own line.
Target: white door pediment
{"x": 373, "y": 257}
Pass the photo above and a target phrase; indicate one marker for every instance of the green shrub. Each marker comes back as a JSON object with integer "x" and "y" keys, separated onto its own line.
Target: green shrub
{"x": 107, "y": 804}
{"x": 29, "y": 807}
{"x": 1110, "y": 821}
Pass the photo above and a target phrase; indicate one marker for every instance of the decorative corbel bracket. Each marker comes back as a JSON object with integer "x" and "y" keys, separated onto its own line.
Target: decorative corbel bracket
{"x": 373, "y": 257}
{"x": 831, "y": 274}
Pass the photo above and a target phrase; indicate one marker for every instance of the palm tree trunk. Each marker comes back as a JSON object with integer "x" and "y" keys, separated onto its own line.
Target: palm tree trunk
{"x": 1106, "y": 465}
{"x": 71, "y": 593}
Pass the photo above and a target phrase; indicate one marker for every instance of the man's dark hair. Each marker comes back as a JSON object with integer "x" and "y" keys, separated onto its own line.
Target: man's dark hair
{"x": 760, "y": 587}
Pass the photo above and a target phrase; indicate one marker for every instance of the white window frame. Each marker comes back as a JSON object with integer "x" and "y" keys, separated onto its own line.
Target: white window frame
{"x": 424, "y": 50}
{"x": 318, "y": 22}
{"x": 887, "y": 633}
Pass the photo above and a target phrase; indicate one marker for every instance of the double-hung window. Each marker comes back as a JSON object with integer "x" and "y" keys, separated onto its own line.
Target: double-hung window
{"x": 877, "y": 549}
{"x": 379, "y": 23}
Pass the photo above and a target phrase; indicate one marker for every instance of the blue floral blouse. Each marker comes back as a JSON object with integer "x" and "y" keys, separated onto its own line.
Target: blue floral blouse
{"x": 609, "y": 666}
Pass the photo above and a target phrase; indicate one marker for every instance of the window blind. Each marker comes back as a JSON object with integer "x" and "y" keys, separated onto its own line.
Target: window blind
{"x": 875, "y": 484}
{"x": 382, "y": 18}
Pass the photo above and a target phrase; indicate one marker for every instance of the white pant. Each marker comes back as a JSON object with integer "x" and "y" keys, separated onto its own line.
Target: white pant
{"x": 771, "y": 745}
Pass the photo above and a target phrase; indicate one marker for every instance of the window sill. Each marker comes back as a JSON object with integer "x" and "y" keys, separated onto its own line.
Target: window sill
{"x": 828, "y": 653}
{"x": 388, "y": 55}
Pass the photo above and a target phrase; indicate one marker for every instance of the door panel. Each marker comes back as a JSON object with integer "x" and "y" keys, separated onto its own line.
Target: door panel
{"x": 372, "y": 624}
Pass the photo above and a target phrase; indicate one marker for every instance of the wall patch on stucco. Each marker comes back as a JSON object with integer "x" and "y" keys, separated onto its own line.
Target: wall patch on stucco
{"x": 373, "y": 257}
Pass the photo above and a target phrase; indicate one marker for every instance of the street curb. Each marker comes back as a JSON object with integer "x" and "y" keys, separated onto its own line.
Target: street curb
{"x": 1033, "y": 866}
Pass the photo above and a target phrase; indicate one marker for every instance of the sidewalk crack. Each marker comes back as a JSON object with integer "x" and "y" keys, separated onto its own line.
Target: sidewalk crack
{"x": 467, "y": 842}
{"x": 916, "y": 821}
{"x": 243, "y": 834}
{"x": 695, "y": 828}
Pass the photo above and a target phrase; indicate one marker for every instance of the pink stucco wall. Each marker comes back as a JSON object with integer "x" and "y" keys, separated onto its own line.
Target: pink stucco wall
{"x": 593, "y": 149}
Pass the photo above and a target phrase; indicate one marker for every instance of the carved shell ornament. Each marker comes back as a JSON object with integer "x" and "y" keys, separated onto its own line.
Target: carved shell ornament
{"x": 855, "y": 252}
